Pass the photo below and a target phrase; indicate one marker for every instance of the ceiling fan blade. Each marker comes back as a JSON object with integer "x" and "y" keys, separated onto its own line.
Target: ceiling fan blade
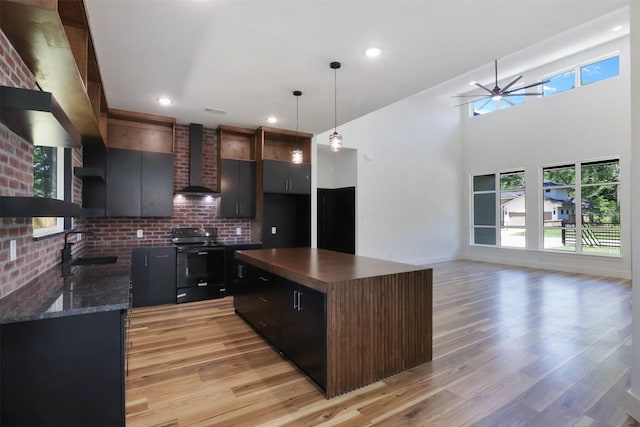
{"x": 504, "y": 95}
{"x": 528, "y": 86}
{"x": 471, "y": 102}
{"x": 504, "y": 90}
{"x": 507, "y": 101}
{"x": 484, "y": 87}
{"x": 478, "y": 95}
{"x": 485, "y": 104}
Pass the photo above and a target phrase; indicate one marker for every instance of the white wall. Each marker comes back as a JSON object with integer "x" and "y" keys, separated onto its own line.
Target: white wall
{"x": 586, "y": 123}
{"x": 408, "y": 200}
{"x": 633, "y": 402}
{"x": 336, "y": 170}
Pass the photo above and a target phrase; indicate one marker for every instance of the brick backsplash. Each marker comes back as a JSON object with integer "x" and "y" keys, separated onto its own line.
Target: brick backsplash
{"x": 16, "y": 179}
{"x": 114, "y": 236}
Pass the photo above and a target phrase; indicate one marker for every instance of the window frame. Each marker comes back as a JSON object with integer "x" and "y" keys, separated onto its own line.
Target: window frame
{"x": 578, "y": 186}
{"x": 61, "y": 194}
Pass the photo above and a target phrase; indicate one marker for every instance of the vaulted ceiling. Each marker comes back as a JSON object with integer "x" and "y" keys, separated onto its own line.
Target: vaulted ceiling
{"x": 245, "y": 57}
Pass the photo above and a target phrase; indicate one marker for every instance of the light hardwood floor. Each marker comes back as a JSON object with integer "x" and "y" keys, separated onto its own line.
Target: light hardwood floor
{"x": 512, "y": 347}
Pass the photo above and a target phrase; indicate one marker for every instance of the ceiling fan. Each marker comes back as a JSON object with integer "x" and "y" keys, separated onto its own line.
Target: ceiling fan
{"x": 500, "y": 94}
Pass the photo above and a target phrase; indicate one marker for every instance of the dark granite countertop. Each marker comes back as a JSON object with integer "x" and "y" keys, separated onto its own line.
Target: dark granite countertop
{"x": 91, "y": 289}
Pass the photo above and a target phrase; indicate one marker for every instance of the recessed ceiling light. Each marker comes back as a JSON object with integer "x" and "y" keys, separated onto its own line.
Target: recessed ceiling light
{"x": 163, "y": 100}
{"x": 272, "y": 119}
{"x": 617, "y": 28}
{"x": 373, "y": 52}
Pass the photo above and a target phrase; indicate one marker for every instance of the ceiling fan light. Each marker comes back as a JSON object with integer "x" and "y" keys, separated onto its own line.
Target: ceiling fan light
{"x": 335, "y": 141}
{"x": 496, "y": 97}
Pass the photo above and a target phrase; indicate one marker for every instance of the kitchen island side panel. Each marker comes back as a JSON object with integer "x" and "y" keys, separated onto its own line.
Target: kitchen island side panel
{"x": 377, "y": 327}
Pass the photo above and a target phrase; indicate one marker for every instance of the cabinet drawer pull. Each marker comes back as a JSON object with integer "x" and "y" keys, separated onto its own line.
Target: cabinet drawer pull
{"x": 240, "y": 271}
{"x": 203, "y": 253}
{"x": 203, "y": 284}
{"x": 262, "y": 323}
{"x": 263, "y": 299}
{"x": 184, "y": 294}
{"x": 295, "y": 300}
{"x": 299, "y": 301}
{"x": 222, "y": 289}
{"x": 162, "y": 256}
{"x": 264, "y": 279}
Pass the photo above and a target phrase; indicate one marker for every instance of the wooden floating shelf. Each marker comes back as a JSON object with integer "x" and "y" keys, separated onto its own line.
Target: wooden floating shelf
{"x": 29, "y": 207}
{"x": 53, "y": 40}
{"x": 37, "y": 117}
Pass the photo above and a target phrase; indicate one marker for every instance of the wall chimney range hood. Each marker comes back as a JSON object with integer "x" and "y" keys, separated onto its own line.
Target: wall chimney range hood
{"x": 195, "y": 187}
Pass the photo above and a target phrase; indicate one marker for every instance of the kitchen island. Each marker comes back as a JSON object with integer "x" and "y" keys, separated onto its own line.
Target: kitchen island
{"x": 344, "y": 320}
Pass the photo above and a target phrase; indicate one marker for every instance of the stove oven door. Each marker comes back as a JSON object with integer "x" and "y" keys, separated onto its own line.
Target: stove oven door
{"x": 200, "y": 273}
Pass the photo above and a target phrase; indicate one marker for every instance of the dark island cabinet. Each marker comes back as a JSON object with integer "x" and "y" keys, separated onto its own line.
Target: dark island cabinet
{"x": 238, "y": 188}
{"x": 139, "y": 183}
{"x": 290, "y": 316}
{"x": 304, "y": 330}
{"x": 259, "y": 301}
{"x": 286, "y": 177}
{"x": 63, "y": 371}
{"x": 153, "y": 276}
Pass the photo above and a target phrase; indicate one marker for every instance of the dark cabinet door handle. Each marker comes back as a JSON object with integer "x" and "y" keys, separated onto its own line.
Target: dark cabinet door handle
{"x": 263, "y": 299}
{"x": 264, "y": 279}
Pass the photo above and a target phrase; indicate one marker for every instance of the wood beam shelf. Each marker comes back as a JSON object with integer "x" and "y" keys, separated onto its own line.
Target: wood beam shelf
{"x": 54, "y": 41}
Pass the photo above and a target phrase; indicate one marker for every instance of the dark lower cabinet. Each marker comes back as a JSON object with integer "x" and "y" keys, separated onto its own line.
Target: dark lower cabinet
{"x": 231, "y": 265}
{"x": 290, "y": 316}
{"x": 303, "y": 330}
{"x": 64, "y": 371}
{"x": 153, "y": 276}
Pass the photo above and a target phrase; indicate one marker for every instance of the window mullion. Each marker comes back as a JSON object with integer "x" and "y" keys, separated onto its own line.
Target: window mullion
{"x": 578, "y": 205}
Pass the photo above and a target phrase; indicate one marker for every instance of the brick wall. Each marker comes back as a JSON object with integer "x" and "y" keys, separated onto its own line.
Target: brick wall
{"x": 16, "y": 179}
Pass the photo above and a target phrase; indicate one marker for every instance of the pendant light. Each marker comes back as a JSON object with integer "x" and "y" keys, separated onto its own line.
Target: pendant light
{"x": 335, "y": 139}
{"x": 296, "y": 153}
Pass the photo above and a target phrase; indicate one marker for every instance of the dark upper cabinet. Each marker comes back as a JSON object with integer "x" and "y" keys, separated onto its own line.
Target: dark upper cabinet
{"x": 238, "y": 188}
{"x": 139, "y": 183}
{"x": 286, "y": 177}
{"x": 153, "y": 276}
{"x": 156, "y": 184}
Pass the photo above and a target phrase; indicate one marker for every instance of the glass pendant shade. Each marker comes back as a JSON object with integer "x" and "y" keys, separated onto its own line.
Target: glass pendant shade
{"x": 335, "y": 141}
{"x": 296, "y": 156}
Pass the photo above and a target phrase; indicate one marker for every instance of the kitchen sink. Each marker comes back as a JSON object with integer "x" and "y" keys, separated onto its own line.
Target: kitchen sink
{"x": 94, "y": 260}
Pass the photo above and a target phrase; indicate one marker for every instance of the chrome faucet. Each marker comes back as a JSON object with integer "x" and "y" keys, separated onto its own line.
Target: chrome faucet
{"x": 66, "y": 249}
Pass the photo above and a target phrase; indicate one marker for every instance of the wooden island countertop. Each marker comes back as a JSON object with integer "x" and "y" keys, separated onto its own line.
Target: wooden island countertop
{"x": 378, "y": 313}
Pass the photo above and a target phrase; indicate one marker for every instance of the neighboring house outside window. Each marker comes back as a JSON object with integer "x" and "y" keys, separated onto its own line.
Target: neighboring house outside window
{"x": 48, "y": 181}
{"x": 581, "y": 207}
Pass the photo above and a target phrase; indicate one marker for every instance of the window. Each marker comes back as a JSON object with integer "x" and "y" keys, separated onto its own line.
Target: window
{"x": 588, "y": 194}
{"x": 600, "y": 70}
{"x": 484, "y": 209}
{"x": 512, "y": 210}
{"x": 48, "y": 181}
{"x": 559, "y": 83}
{"x": 558, "y": 196}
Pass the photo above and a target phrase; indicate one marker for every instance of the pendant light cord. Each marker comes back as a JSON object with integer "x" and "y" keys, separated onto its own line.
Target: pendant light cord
{"x": 335, "y": 100}
{"x": 297, "y": 119}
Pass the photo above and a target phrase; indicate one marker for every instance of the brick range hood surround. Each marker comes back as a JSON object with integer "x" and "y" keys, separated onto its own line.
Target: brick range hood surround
{"x": 195, "y": 187}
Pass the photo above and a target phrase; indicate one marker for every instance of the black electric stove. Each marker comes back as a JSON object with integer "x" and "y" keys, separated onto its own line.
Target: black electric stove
{"x": 200, "y": 264}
